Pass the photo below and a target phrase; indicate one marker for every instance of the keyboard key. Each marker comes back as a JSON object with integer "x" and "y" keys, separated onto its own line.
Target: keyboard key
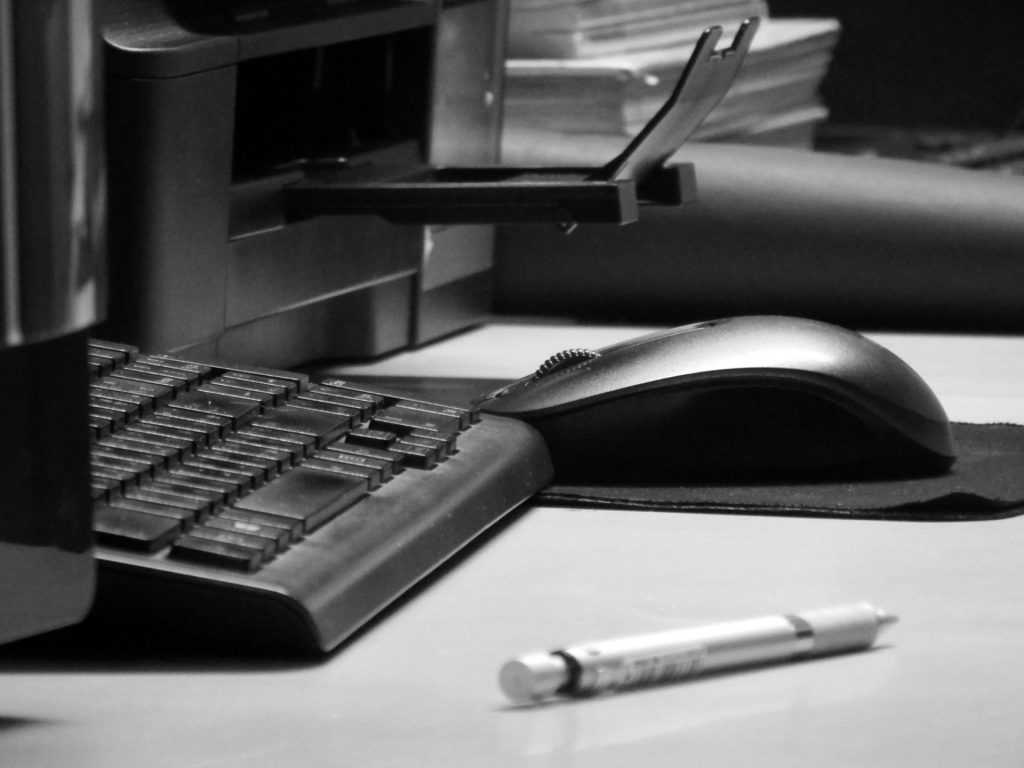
{"x": 226, "y": 535}
{"x": 187, "y": 487}
{"x": 338, "y": 452}
{"x": 268, "y": 394}
{"x": 293, "y": 381}
{"x": 127, "y": 401}
{"x": 124, "y": 352}
{"x": 182, "y": 381}
{"x": 299, "y": 445}
{"x": 198, "y": 429}
{"x": 131, "y": 529}
{"x": 183, "y": 517}
{"x": 151, "y": 452}
{"x": 187, "y": 368}
{"x": 278, "y": 537}
{"x": 170, "y": 445}
{"x": 269, "y": 463}
{"x": 393, "y": 459}
{"x": 374, "y": 438}
{"x": 153, "y": 394}
{"x": 313, "y": 403}
{"x": 364, "y": 405}
{"x": 103, "y": 487}
{"x": 109, "y": 419}
{"x": 326, "y": 465}
{"x": 100, "y": 404}
{"x": 305, "y": 495}
{"x": 372, "y": 400}
{"x": 286, "y": 454}
{"x": 264, "y": 399}
{"x": 211, "y": 403}
{"x": 283, "y": 387}
{"x": 272, "y": 454}
{"x": 438, "y": 444}
{"x": 290, "y": 528}
{"x": 219, "y": 553}
{"x": 206, "y": 467}
{"x": 99, "y": 365}
{"x": 324, "y": 427}
{"x": 404, "y": 420}
{"x": 446, "y": 443}
{"x": 98, "y": 427}
{"x": 197, "y": 507}
{"x": 108, "y": 460}
{"x": 257, "y": 473}
{"x": 419, "y": 456}
{"x": 131, "y": 373}
{"x": 113, "y": 479}
{"x": 109, "y": 359}
{"x": 464, "y": 416}
{"x": 194, "y": 477}
{"x": 161, "y": 435}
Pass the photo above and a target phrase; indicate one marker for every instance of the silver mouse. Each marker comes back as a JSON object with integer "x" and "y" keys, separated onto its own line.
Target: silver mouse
{"x": 759, "y": 398}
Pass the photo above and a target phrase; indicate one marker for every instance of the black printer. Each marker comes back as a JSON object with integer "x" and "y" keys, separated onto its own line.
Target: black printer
{"x": 215, "y": 106}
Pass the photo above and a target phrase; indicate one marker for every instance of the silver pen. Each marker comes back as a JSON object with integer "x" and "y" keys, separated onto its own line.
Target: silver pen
{"x": 630, "y": 662}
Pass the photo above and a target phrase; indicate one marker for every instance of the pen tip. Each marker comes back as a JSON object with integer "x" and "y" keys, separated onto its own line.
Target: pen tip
{"x": 533, "y": 677}
{"x": 885, "y": 618}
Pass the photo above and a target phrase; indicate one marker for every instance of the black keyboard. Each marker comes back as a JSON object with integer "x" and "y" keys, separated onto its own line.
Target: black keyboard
{"x": 259, "y": 506}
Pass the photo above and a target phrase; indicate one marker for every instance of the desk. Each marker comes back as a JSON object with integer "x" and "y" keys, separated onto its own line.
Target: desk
{"x": 418, "y": 688}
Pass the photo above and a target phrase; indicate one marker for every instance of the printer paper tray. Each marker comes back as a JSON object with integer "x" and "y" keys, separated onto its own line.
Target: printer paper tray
{"x": 564, "y": 196}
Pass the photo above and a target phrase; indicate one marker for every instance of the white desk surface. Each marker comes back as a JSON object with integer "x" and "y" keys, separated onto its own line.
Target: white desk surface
{"x": 945, "y": 688}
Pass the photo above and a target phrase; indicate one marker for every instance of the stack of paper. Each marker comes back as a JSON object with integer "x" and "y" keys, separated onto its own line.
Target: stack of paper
{"x": 582, "y": 28}
{"x": 775, "y": 98}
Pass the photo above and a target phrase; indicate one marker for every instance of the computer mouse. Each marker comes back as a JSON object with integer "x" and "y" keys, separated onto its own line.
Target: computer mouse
{"x": 734, "y": 399}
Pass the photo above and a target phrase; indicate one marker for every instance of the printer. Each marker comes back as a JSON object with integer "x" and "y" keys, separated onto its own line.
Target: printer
{"x": 213, "y": 107}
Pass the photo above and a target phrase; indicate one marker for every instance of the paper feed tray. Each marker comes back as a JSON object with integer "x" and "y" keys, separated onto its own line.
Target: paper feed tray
{"x": 565, "y": 196}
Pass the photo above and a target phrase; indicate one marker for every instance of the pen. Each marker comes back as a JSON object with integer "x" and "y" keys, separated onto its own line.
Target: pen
{"x": 630, "y": 662}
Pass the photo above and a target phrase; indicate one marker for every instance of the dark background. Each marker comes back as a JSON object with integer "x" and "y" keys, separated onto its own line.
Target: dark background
{"x": 920, "y": 63}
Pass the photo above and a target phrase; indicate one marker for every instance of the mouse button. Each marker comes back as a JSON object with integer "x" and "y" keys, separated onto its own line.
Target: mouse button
{"x": 580, "y": 376}
{"x": 891, "y": 379}
{"x": 847, "y": 358}
{"x": 669, "y": 335}
{"x": 855, "y": 360}
{"x": 734, "y": 345}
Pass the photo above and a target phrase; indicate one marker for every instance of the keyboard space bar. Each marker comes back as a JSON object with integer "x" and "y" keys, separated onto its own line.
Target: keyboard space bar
{"x": 305, "y": 495}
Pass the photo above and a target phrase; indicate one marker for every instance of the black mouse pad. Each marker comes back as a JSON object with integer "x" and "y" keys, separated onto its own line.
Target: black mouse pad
{"x": 985, "y": 482}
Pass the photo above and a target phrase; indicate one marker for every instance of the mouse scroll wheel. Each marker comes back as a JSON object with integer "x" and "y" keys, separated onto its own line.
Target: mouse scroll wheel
{"x": 563, "y": 360}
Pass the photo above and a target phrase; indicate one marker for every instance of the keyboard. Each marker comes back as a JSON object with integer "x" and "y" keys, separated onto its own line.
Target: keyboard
{"x": 257, "y": 507}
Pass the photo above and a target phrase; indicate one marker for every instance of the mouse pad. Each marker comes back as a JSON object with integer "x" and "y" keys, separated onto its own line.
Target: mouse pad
{"x": 985, "y": 482}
